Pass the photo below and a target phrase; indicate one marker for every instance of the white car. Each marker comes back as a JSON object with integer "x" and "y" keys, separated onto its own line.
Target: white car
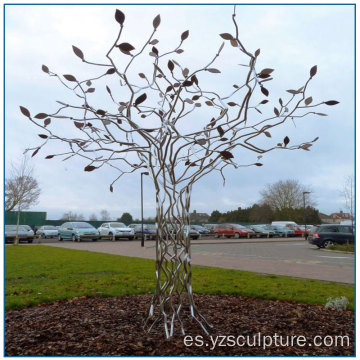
{"x": 47, "y": 231}
{"x": 116, "y": 230}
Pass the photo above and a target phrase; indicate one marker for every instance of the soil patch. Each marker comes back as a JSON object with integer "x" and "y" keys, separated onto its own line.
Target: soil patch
{"x": 114, "y": 326}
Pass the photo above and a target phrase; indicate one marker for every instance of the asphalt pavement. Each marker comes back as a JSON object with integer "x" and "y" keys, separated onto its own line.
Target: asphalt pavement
{"x": 291, "y": 257}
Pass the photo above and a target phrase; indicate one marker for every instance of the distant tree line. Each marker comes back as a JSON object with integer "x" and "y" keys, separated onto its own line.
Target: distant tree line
{"x": 263, "y": 213}
{"x": 283, "y": 200}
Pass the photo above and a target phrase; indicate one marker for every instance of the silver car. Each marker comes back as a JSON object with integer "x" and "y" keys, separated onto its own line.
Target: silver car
{"x": 47, "y": 231}
{"x": 116, "y": 230}
{"x": 25, "y": 233}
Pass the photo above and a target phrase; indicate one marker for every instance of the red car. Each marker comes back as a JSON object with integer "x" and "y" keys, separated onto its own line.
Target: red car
{"x": 232, "y": 230}
{"x": 299, "y": 230}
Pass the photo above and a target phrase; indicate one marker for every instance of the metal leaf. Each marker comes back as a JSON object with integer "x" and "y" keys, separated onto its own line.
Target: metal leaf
{"x": 257, "y": 52}
{"x": 214, "y": 71}
{"x": 90, "y": 90}
{"x": 286, "y": 140}
{"x": 43, "y": 136}
{"x": 119, "y": 17}
{"x": 79, "y": 125}
{"x": 90, "y": 168}
{"x": 154, "y": 42}
{"x": 276, "y": 111}
{"x": 227, "y": 36}
{"x": 201, "y": 141}
{"x": 35, "y": 152}
{"x": 226, "y": 154}
{"x": 41, "y": 116}
{"x": 25, "y": 111}
{"x": 185, "y": 35}
{"x": 258, "y": 164}
{"x": 125, "y": 47}
{"x": 264, "y": 91}
{"x": 266, "y": 71}
{"x": 142, "y": 75}
{"x": 331, "y": 102}
{"x": 140, "y": 99}
{"x": 220, "y": 131}
{"x": 45, "y": 69}
{"x": 70, "y": 77}
{"x": 47, "y": 122}
{"x": 110, "y": 71}
{"x": 49, "y": 156}
{"x": 231, "y": 103}
{"x": 101, "y": 112}
{"x": 313, "y": 71}
{"x": 267, "y": 134}
{"x": 187, "y": 83}
{"x": 308, "y": 100}
{"x": 78, "y": 52}
{"x": 156, "y": 21}
{"x": 171, "y": 65}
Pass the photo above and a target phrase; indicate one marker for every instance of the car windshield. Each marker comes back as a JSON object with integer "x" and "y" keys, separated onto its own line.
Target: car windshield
{"x": 150, "y": 226}
{"x": 82, "y": 225}
{"x": 118, "y": 225}
{"x": 10, "y": 227}
{"x": 238, "y": 226}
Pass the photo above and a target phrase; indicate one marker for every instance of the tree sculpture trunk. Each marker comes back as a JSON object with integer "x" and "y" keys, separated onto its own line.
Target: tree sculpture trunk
{"x": 174, "y": 294}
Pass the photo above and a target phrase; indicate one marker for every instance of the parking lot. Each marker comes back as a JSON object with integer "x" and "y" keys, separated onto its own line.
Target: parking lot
{"x": 291, "y": 257}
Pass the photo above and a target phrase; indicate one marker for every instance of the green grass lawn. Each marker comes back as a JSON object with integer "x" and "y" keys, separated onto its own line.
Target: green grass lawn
{"x": 344, "y": 247}
{"x": 38, "y": 274}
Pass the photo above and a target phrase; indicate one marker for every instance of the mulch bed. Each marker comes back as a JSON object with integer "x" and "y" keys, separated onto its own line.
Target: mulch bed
{"x": 114, "y": 326}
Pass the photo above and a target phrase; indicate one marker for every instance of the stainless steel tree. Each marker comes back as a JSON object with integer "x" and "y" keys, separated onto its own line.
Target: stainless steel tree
{"x": 159, "y": 121}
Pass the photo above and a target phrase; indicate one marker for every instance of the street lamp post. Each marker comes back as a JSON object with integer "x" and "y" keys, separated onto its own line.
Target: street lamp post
{"x": 142, "y": 209}
{"x": 304, "y": 193}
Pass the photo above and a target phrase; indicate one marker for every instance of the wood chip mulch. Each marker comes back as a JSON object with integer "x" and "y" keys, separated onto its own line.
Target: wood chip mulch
{"x": 114, "y": 326}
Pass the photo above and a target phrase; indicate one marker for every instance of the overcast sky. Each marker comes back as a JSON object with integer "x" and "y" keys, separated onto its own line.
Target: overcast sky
{"x": 292, "y": 39}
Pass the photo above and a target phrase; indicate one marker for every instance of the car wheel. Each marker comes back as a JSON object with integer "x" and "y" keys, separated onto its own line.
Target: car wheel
{"x": 95, "y": 239}
{"x": 60, "y": 238}
{"x": 216, "y": 235}
{"x": 236, "y": 235}
{"x": 30, "y": 241}
{"x": 73, "y": 237}
{"x": 327, "y": 243}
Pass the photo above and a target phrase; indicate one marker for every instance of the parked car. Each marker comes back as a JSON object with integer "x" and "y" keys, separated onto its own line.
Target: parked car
{"x": 194, "y": 234}
{"x": 282, "y": 230}
{"x": 262, "y": 230}
{"x": 324, "y": 236}
{"x": 149, "y": 230}
{"x": 23, "y": 232}
{"x": 209, "y": 227}
{"x": 47, "y": 231}
{"x": 232, "y": 230}
{"x": 200, "y": 229}
{"x": 78, "y": 230}
{"x": 117, "y": 230}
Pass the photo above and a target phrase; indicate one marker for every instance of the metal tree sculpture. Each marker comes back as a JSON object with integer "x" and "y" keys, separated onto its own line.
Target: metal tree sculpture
{"x": 144, "y": 129}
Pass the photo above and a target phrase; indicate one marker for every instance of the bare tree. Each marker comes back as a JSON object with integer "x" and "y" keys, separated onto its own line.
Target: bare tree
{"x": 154, "y": 122}
{"x": 21, "y": 190}
{"x": 105, "y": 215}
{"x": 348, "y": 192}
{"x": 286, "y": 194}
{"x": 72, "y": 216}
{"x": 93, "y": 217}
